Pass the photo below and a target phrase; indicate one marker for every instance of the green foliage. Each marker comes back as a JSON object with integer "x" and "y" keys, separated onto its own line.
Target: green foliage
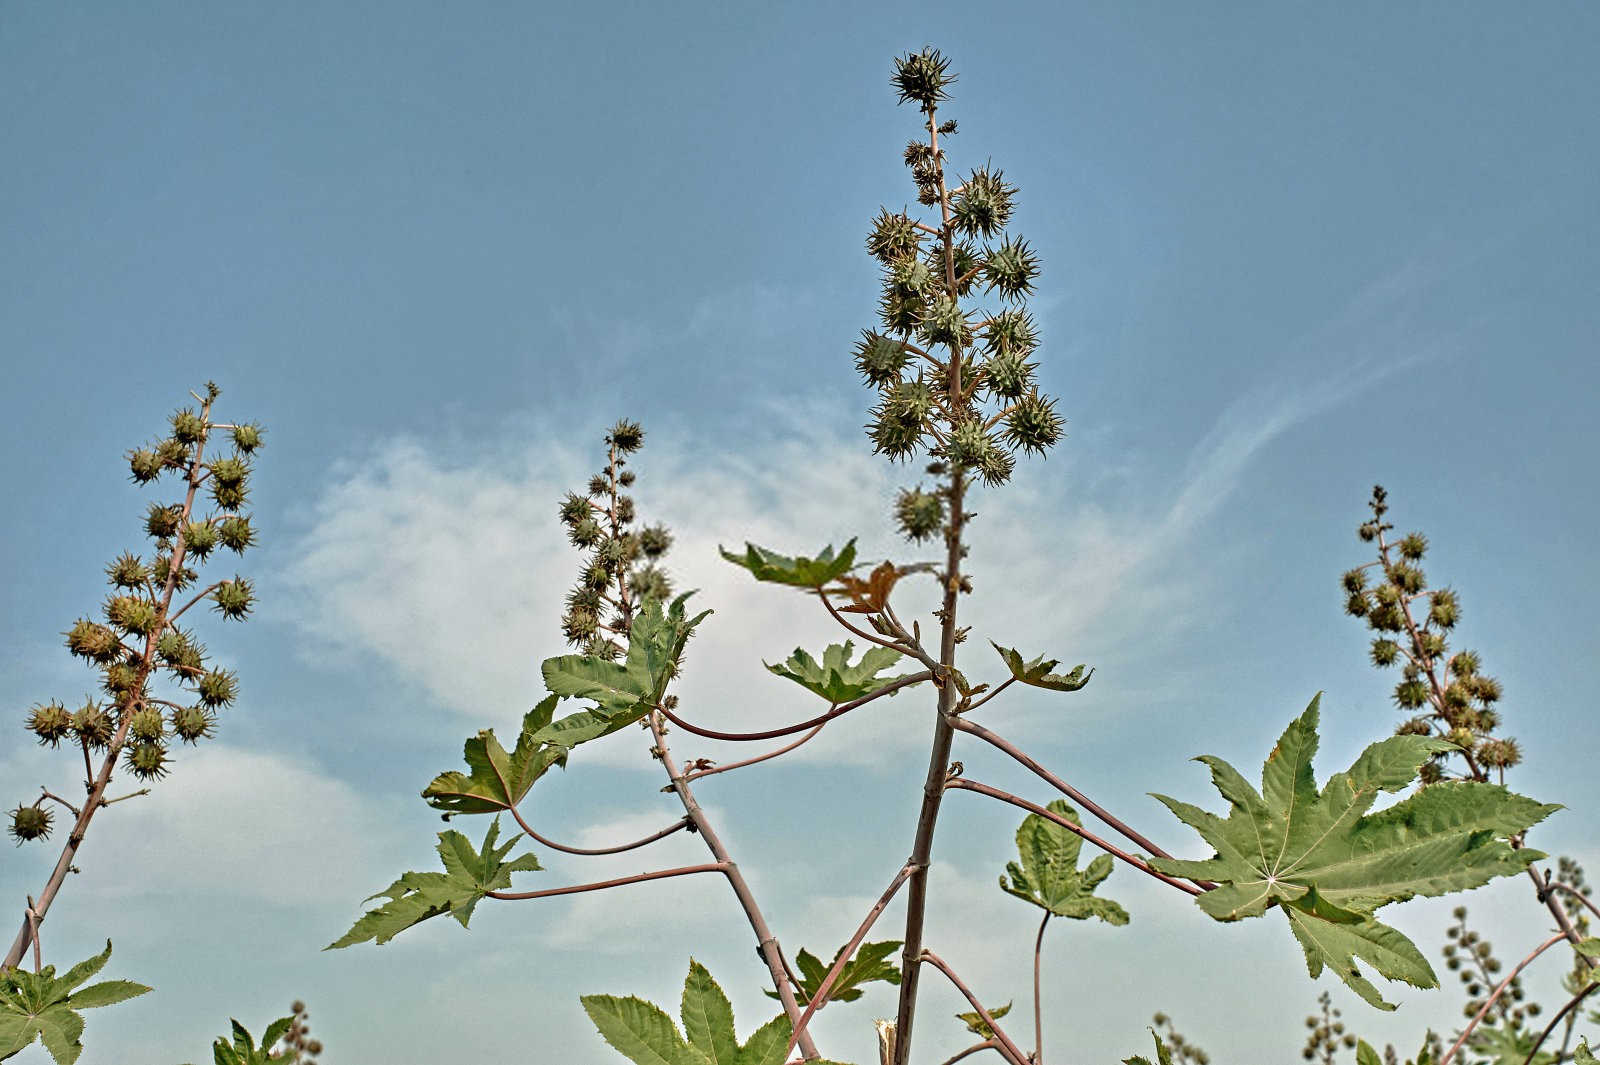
{"x": 799, "y": 571}
{"x": 1163, "y": 1055}
{"x": 45, "y": 1007}
{"x": 643, "y": 1033}
{"x": 980, "y": 1027}
{"x": 1582, "y": 1055}
{"x": 244, "y": 1051}
{"x": 870, "y": 963}
{"x": 1327, "y": 863}
{"x": 469, "y": 875}
{"x": 1037, "y": 672}
{"x": 498, "y": 781}
{"x": 834, "y": 678}
{"x": 1049, "y": 876}
{"x": 623, "y": 693}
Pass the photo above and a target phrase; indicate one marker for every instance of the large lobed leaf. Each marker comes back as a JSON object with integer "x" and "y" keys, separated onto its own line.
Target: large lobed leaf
{"x": 834, "y": 678}
{"x": 1037, "y": 671}
{"x": 870, "y": 963}
{"x": 1328, "y": 863}
{"x": 469, "y": 874}
{"x": 622, "y": 692}
{"x": 1049, "y": 876}
{"x": 799, "y": 571}
{"x": 44, "y": 1006}
{"x": 497, "y": 780}
{"x": 643, "y": 1033}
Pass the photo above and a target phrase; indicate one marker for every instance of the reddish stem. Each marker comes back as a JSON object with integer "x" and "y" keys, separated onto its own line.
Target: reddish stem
{"x": 639, "y": 878}
{"x": 1007, "y": 1047}
{"x": 714, "y": 770}
{"x": 1494, "y": 996}
{"x": 676, "y": 826}
{"x": 789, "y": 730}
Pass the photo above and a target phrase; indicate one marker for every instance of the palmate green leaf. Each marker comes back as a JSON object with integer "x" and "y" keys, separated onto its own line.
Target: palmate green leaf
{"x": 834, "y": 678}
{"x": 1328, "y": 863}
{"x": 1163, "y": 1055}
{"x": 1497, "y": 1045}
{"x": 415, "y": 897}
{"x": 1037, "y": 672}
{"x": 1049, "y": 876}
{"x": 243, "y": 1050}
{"x": 870, "y": 962}
{"x": 622, "y": 692}
{"x": 799, "y": 571}
{"x": 980, "y": 1027}
{"x": 44, "y": 1006}
{"x": 498, "y": 781}
{"x": 643, "y": 1033}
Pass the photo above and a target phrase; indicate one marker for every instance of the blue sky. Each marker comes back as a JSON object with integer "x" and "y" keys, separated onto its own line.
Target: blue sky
{"x": 1290, "y": 250}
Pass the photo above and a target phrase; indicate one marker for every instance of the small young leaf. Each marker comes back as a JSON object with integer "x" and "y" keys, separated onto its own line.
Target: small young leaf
{"x": 869, "y": 963}
{"x": 498, "y": 781}
{"x": 1163, "y": 1055}
{"x": 1582, "y": 1055}
{"x": 980, "y": 1027}
{"x": 799, "y": 571}
{"x": 871, "y": 595}
{"x": 1365, "y": 1055}
{"x": 834, "y": 678}
{"x": 1037, "y": 672}
{"x": 1049, "y": 876}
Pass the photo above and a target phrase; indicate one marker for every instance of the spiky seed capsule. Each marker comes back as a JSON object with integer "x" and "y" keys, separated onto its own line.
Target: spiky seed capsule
{"x": 128, "y": 571}
{"x": 1410, "y": 694}
{"x": 1384, "y": 652}
{"x": 1033, "y": 425}
{"x": 911, "y": 275}
{"x": 179, "y": 650}
{"x": 892, "y": 437}
{"x": 246, "y": 438}
{"x": 236, "y": 534}
{"x": 654, "y": 541}
{"x": 187, "y": 426}
{"x": 586, "y": 599}
{"x": 894, "y": 237}
{"x": 628, "y": 436}
{"x": 574, "y": 508}
{"x": 230, "y": 471}
{"x": 918, "y": 514}
{"x": 1008, "y": 375}
{"x": 145, "y": 725}
{"x": 163, "y": 569}
{"x": 233, "y": 598}
{"x": 93, "y": 725}
{"x": 918, "y": 153}
{"x": 625, "y": 512}
{"x": 1010, "y": 269}
{"x": 1456, "y": 696}
{"x": 946, "y": 323}
{"x": 144, "y": 465}
{"x": 1354, "y": 580}
{"x": 1413, "y": 546}
{"x": 1357, "y": 605}
{"x": 1484, "y": 689}
{"x": 599, "y": 485}
{"x": 51, "y": 722}
{"x": 172, "y": 454}
{"x": 649, "y": 582}
{"x": 1465, "y": 663}
{"x": 199, "y": 538}
{"x": 132, "y": 614}
{"x": 94, "y": 642}
{"x": 219, "y": 687}
{"x": 1416, "y": 726}
{"x": 922, "y": 77}
{"x": 947, "y": 128}
{"x": 599, "y": 647}
{"x": 30, "y": 823}
{"x": 1386, "y": 619}
{"x": 1368, "y": 531}
{"x": 1387, "y": 594}
{"x": 192, "y": 723}
{"x": 586, "y": 533}
{"x": 928, "y": 195}
{"x": 120, "y": 678}
{"x": 1408, "y": 578}
{"x": 983, "y": 206}
{"x": 148, "y": 761}
{"x": 596, "y": 577}
{"x": 900, "y": 312}
{"x": 1444, "y": 609}
{"x": 1432, "y": 643}
{"x": 161, "y": 522}
{"x": 965, "y": 264}
{"x": 579, "y": 625}
{"x": 1010, "y": 330}
{"x": 995, "y": 467}
{"x": 229, "y": 497}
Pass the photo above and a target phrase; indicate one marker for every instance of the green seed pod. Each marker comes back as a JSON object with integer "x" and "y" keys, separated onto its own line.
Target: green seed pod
{"x": 918, "y": 514}
{"x": 596, "y": 576}
{"x": 1354, "y": 580}
{"x": 625, "y": 513}
{"x": 1465, "y": 663}
{"x": 892, "y": 437}
{"x": 1413, "y": 546}
{"x": 945, "y": 323}
{"x": 654, "y": 541}
{"x": 246, "y": 438}
{"x": 921, "y": 77}
{"x": 1445, "y": 608}
{"x": 1410, "y": 694}
{"x": 1368, "y": 531}
{"x": 983, "y": 206}
{"x": 600, "y": 485}
{"x": 148, "y": 761}
{"x": 120, "y": 678}
{"x": 649, "y": 582}
{"x": 1033, "y": 424}
{"x": 229, "y": 471}
{"x": 93, "y": 725}
{"x": 574, "y": 509}
{"x": 1387, "y": 595}
{"x": 1432, "y": 643}
{"x": 200, "y": 538}
{"x": 163, "y": 569}
{"x": 192, "y": 724}
{"x": 996, "y": 467}
{"x": 30, "y": 823}
{"x": 219, "y": 687}
{"x": 94, "y": 642}
{"x": 161, "y": 522}
{"x": 187, "y": 426}
{"x": 145, "y": 725}
{"x": 236, "y": 534}
{"x": 597, "y": 646}
{"x": 911, "y": 276}
{"x": 586, "y": 533}
{"x": 1010, "y": 331}
{"x": 1416, "y": 726}
{"x": 586, "y": 599}
{"x": 1386, "y": 619}
{"x": 625, "y": 478}
{"x": 1008, "y": 375}
{"x": 51, "y": 722}
{"x": 172, "y": 454}
{"x": 965, "y": 263}
{"x": 132, "y": 614}
{"x": 1358, "y": 605}
{"x": 145, "y": 465}
{"x": 1010, "y": 269}
{"x": 1384, "y": 652}
{"x": 1485, "y": 689}
{"x": 894, "y": 237}
{"x": 627, "y": 436}
{"x": 1456, "y": 696}
{"x": 128, "y": 571}
{"x": 900, "y": 312}
{"x": 909, "y": 403}
{"x": 233, "y": 598}
{"x": 229, "y": 497}
{"x": 579, "y": 625}
{"x": 1407, "y": 577}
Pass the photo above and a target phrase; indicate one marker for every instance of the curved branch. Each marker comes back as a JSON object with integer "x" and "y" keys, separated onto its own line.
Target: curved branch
{"x": 1110, "y": 848}
{"x": 1006, "y": 1047}
{"x": 987, "y": 1044}
{"x": 1553, "y": 885}
{"x": 683, "y": 870}
{"x": 1572, "y": 1004}
{"x": 821, "y": 719}
{"x": 869, "y": 637}
{"x": 1494, "y": 996}
{"x": 714, "y": 770}
{"x": 676, "y": 826}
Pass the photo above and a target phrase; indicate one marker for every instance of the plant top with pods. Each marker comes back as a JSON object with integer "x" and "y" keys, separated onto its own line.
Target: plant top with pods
{"x": 952, "y": 363}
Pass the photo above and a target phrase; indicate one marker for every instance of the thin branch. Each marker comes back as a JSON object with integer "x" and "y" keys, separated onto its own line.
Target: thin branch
{"x": 1572, "y": 1004}
{"x": 1494, "y": 996}
{"x": 987, "y": 1044}
{"x": 820, "y": 999}
{"x": 33, "y": 921}
{"x": 130, "y": 795}
{"x": 992, "y": 693}
{"x": 1038, "y": 1018}
{"x": 1006, "y": 1047}
{"x": 1134, "y": 860}
{"x": 676, "y": 826}
{"x": 46, "y": 793}
{"x": 683, "y": 870}
{"x": 789, "y": 730}
{"x": 869, "y": 637}
{"x": 714, "y": 770}
{"x": 173, "y": 619}
{"x": 1551, "y": 885}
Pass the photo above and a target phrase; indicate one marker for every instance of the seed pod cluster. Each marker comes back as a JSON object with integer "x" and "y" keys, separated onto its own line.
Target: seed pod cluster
{"x": 1471, "y": 957}
{"x": 954, "y": 382}
{"x": 1443, "y": 694}
{"x": 621, "y": 566}
{"x": 1326, "y": 1034}
{"x": 137, "y": 642}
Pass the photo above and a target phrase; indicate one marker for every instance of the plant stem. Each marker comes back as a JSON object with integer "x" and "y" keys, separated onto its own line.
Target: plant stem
{"x": 1006, "y": 1047}
{"x": 1571, "y": 1005}
{"x": 1494, "y": 996}
{"x": 790, "y": 730}
{"x": 714, "y": 770}
{"x": 1038, "y": 1018}
{"x": 635, "y": 845}
{"x": 987, "y": 1044}
{"x": 601, "y": 885}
